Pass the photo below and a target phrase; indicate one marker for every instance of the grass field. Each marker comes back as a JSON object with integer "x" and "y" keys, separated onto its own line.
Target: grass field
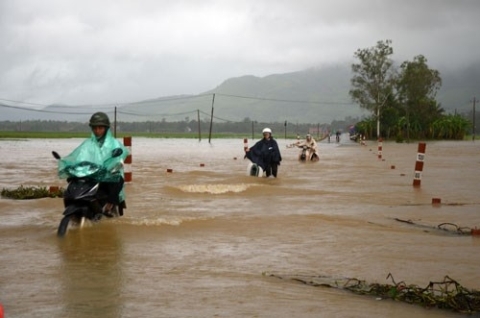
{"x": 56, "y": 134}
{"x": 49, "y": 135}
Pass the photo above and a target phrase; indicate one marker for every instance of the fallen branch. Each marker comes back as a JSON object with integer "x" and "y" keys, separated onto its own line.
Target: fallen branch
{"x": 447, "y": 227}
{"x": 447, "y": 294}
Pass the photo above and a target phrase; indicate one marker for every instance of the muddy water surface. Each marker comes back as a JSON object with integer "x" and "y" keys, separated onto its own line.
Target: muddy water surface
{"x": 195, "y": 242}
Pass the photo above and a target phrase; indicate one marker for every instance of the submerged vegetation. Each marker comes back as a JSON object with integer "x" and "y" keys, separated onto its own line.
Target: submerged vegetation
{"x": 28, "y": 193}
{"x": 446, "y": 294}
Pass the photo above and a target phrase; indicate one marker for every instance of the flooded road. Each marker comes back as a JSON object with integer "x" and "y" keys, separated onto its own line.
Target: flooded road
{"x": 195, "y": 242}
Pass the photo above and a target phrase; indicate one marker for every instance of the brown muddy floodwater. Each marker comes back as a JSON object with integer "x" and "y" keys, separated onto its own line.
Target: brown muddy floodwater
{"x": 195, "y": 242}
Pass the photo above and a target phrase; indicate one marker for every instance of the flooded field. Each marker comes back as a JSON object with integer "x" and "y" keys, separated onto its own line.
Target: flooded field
{"x": 195, "y": 242}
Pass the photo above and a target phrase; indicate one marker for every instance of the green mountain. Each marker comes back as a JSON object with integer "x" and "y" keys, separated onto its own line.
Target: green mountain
{"x": 315, "y": 95}
{"x": 309, "y": 96}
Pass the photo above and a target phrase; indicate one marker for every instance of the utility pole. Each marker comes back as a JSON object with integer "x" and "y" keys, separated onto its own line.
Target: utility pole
{"x": 199, "y": 126}
{"x": 473, "y": 119}
{"x": 115, "y": 123}
{"x": 211, "y": 120}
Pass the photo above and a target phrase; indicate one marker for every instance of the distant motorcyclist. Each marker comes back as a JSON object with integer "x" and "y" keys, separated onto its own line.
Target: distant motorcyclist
{"x": 308, "y": 142}
{"x": 97, "y": 149}
{"x": 337, "y": 135}
{"x": 266, "y": 153}
{"x": 309, "y": 149}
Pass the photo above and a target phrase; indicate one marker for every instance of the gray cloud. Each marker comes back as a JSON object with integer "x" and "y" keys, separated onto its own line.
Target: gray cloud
{"x": 95, "y": 52}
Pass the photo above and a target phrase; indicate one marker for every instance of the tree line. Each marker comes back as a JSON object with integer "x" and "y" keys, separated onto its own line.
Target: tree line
{"x": 401, "y": 99}
{"x": 246, "y": 127}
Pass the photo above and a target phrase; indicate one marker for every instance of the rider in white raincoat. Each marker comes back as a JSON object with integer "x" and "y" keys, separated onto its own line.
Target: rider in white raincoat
{"x": 310, "y": 143}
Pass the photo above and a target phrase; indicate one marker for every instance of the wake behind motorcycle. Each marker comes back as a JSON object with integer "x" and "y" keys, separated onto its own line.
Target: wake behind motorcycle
{"x": 84, "y": 198}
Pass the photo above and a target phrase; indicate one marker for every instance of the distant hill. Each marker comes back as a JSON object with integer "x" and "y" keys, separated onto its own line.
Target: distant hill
{"x": 315, "y": 95}
{"x": 309, "y": 96}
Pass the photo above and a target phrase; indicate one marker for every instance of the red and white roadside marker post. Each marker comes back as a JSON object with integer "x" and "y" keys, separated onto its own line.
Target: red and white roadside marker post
{"x": 127, "y": 142}
{"x": 363, "y": 142}
{"x": 417, "y": 179}
{"x": 380, "y": 146}
{"x": 245, "y": 144}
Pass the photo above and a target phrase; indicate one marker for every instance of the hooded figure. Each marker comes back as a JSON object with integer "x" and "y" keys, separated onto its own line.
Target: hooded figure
{"x": 266, "y": 153}
{"x": 98, "y": 150}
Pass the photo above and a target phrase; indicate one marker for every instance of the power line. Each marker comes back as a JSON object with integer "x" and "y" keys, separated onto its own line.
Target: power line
{"x": 162, "y": 100}
{"x": 223, "y": 119}
{"x": 285, "y": 100}
{"x": 110, "y": 105}
{"x": 43, "y": 110}
{"x": 166, "y": 99}
{"x": 150, "y": 114}
{"x": 53, "y": 105}
{"x": 17, "y": 102}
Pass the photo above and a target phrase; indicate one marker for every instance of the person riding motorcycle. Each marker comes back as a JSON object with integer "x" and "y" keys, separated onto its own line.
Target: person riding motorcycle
{"x": 266, "y": 153}
{"x": 308, "y": 142}
{"x": 97, "y": 149}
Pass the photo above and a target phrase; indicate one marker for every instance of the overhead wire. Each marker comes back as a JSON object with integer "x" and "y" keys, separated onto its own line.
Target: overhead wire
{"x": 161, "y": 100}
{"x": 43, "y": 110}
{"x": 219, "y": 118}
{"x": 284, "y": 100}
{"x": 150, "y": 114}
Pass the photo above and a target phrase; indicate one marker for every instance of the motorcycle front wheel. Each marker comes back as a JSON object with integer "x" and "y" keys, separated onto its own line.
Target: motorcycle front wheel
{"x": 63, "y": 226}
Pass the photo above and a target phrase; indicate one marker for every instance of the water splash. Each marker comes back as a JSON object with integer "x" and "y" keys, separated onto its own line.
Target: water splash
{"x": 216, "y": 188}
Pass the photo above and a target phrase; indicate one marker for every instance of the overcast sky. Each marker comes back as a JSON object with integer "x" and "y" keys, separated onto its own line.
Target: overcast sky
{"x": 116, "y": 51}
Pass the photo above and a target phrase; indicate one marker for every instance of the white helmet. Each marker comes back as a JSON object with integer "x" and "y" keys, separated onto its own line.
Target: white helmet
{"x": 266, "y": 130}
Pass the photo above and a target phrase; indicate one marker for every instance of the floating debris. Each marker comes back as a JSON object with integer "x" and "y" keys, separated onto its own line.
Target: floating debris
{"x": 447, "y": 294}
{"x": 447, "y": 227}
{"x": 28, "y": 193}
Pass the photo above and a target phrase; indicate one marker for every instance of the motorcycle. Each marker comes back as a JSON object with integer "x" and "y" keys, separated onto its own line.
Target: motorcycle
{"x": 254, "y": 170}
{"x": 83, "y": 198}
{"x": 307, "y": 154}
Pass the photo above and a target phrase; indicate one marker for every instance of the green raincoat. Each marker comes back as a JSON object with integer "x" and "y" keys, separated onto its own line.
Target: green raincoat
{"x": 93, "y": 159}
